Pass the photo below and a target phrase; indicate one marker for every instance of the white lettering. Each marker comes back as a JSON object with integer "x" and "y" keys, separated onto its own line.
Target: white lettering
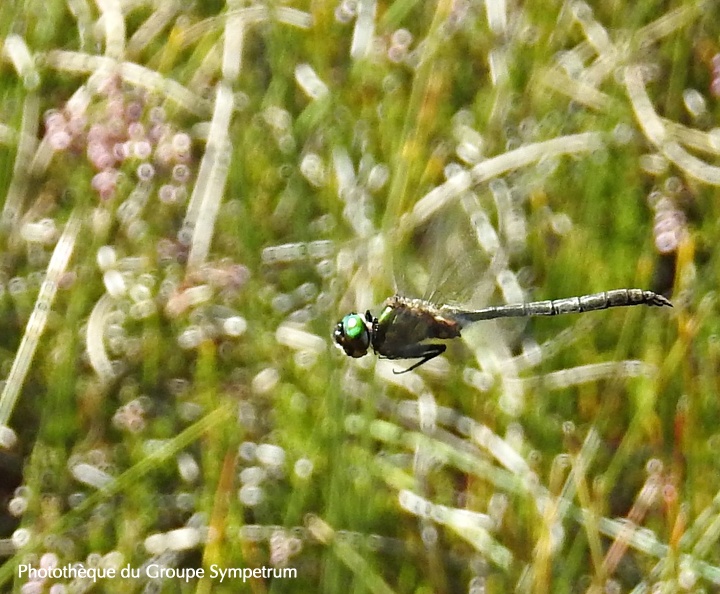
{"x": 128, "y": 572}
{"x": 66, "y": 572}
{"x": 219, "y": 571}
{"x": 245, "y": 573}
{"x": 155, "y": 571}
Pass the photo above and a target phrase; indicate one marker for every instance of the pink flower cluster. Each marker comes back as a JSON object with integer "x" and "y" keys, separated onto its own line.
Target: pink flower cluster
{"x": 715, "y": 83}
{"x": 122, "y": 132}
{"x": 670, "y": 225}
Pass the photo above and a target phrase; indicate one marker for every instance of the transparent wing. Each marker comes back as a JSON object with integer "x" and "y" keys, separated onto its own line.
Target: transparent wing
{"x": 442, "y": 261}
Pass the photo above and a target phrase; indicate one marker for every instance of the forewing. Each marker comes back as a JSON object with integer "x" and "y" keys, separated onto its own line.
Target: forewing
{"x": 442, "y": 262}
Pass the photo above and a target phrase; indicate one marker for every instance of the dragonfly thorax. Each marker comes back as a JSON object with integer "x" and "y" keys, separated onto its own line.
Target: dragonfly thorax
{"x": 353, "y": 334}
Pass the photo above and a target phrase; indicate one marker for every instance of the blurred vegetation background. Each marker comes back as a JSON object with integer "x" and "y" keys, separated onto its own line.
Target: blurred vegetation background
{"x": 194, "y": 194}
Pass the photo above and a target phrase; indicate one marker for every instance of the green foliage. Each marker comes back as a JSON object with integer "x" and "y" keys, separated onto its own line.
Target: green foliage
{"x": 224, "y": 410}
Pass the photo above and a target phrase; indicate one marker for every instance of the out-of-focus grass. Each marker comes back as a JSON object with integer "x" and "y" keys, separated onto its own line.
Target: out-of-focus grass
{"x": 521, "y": 462}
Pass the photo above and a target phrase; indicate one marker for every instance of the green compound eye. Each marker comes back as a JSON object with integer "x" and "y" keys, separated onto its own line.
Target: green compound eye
{"x": 353, "y": 325}
{"x": 352, "y": 335}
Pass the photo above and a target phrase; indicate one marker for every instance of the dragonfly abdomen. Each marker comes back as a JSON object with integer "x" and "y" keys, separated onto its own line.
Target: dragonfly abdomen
{"x": 593, "y": 302}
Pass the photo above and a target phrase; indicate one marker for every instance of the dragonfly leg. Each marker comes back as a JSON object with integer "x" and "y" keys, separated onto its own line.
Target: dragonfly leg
{"x": 424, "y": 352}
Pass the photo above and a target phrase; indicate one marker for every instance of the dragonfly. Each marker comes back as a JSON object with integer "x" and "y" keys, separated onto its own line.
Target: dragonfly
{"x": 406, "y": 327}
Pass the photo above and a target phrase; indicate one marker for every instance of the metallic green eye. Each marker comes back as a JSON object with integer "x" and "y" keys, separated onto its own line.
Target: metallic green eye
{"x": 353, "y": 325}
{"x": 352, "y": 335}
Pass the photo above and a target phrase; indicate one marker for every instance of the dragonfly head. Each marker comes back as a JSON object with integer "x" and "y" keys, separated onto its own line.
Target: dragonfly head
{"x": 352, "y": 334}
